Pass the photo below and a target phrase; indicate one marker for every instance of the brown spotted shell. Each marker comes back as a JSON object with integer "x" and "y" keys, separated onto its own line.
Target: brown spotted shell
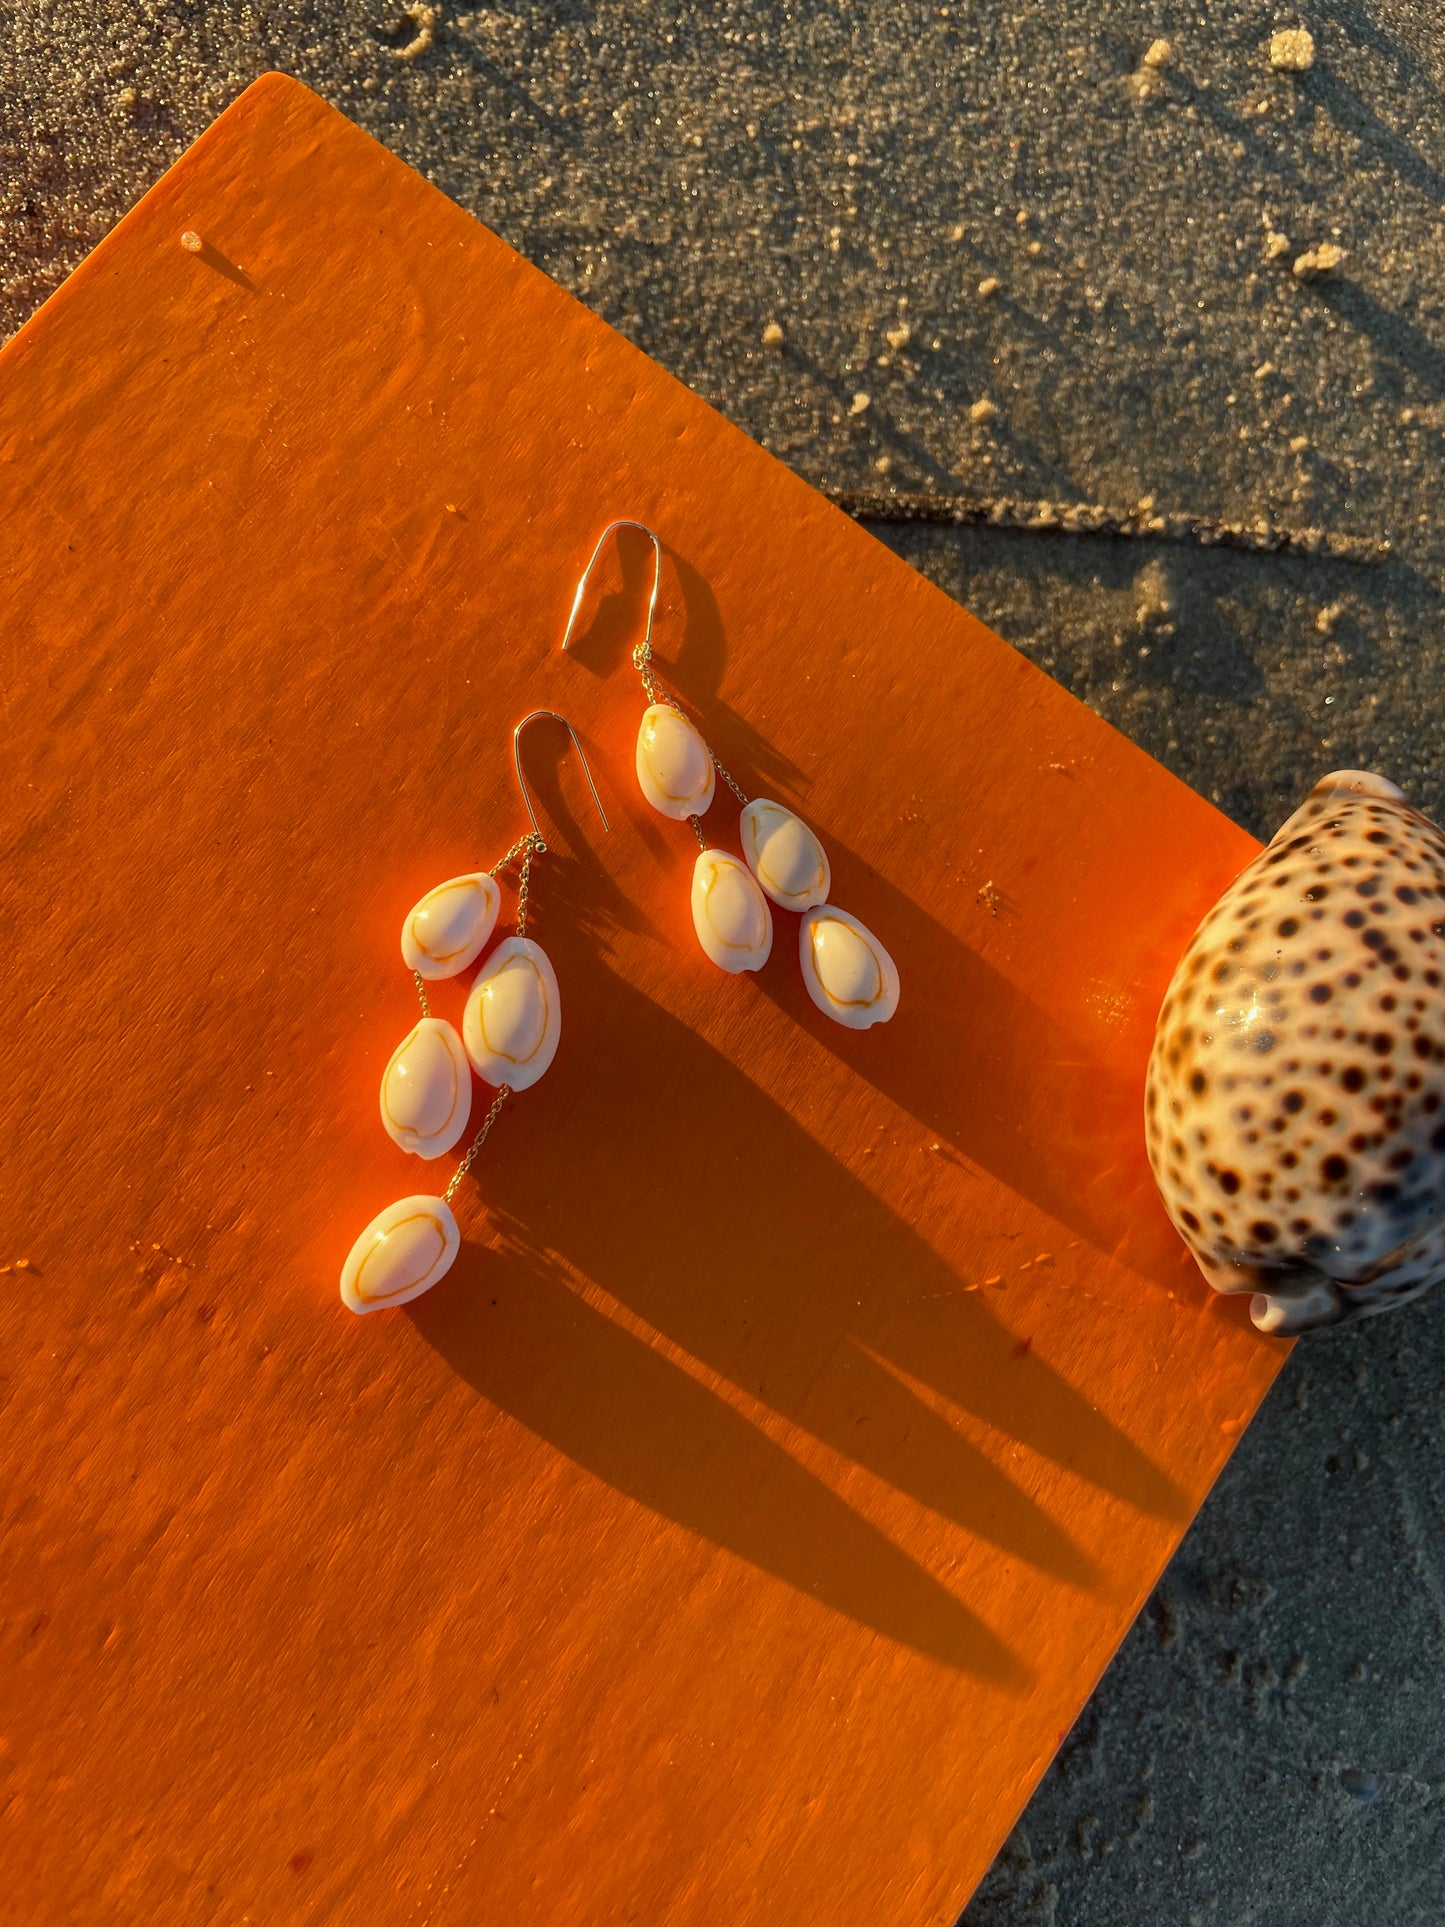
{"x": 1295, "y": 1107}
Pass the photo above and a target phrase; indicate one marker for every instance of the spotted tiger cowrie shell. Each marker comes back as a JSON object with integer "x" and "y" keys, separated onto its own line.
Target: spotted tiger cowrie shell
{"x": 730, "y": 913}
{"x": 673, "y": 764}
{"x": 402, "y": 1253}
{"x": 784, "y": 855}
{"x": 1295, "y": 1101}
{"x": 848, "y": 972}
{"x": 513, "y": 1015}
{"x": 449, "y": 927}
{"x": 426, "y": 1089}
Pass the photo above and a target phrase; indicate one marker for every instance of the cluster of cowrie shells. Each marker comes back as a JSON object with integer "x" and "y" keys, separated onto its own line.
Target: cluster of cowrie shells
{"x": 848, "y": 973}
{"x": 510, "y": 1027}
{"x": 1296, "y": 1094}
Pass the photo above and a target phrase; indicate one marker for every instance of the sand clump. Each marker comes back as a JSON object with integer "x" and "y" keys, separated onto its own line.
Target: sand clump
{"x": 1292, "y": 50}
{"x": 1319, "y": 260}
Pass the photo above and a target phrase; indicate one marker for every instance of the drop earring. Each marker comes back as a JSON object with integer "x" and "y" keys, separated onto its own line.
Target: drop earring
{"x": 848, "y": 973}
{"x": 510, "y": 1029}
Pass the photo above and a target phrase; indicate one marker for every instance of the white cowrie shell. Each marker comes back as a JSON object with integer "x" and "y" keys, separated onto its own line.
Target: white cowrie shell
{"x": 513, "y": 1016}
{"x": 401, "y": 1254}
{"x": 447, "y": 929}
{"x": 673, "y": 764}
{"x": 730, "y": 913}
{"x": 426, "y": 1090}
{"x": 784, "y": 855}
{"x": 848, "y": 972}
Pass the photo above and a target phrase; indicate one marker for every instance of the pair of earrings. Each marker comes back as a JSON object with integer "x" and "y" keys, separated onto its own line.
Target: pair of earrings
{"x": 848, "y": 973}
{"x": 512, "y": 1019}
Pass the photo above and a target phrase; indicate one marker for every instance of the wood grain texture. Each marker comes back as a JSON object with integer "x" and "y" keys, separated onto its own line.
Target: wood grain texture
{"x": 738, "y": 1529}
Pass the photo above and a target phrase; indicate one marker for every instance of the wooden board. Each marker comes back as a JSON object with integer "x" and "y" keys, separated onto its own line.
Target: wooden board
{"x": 737, "y": 1531}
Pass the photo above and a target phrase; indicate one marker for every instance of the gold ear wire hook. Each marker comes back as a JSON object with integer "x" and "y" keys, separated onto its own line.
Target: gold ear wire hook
{"x": 522, "y": 781}
{"x": 642, "y": 653}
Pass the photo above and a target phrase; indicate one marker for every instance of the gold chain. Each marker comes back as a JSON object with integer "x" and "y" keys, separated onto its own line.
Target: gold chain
{"x": 657, "y": 694}
{"x": 673, "y": 703}
{"x": 734, "y": 787}
{"x": 528, "y": 846}
{"x": 524, "y": 886}
{"x": 530, "y": 841}
{"x": 477, "y": 1142}
{"x": 642, "y": 663}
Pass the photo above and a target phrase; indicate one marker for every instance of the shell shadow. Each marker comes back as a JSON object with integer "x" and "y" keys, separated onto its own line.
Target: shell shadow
{"x": 616, "y": 1406}
{"x": 572, "y": 887}
{"x": 983, "y": 1068}
{"x": 789, "y": 1294}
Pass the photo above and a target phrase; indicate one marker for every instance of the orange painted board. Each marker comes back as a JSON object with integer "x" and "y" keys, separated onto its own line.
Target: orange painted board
{"x": 736, "y": 1531}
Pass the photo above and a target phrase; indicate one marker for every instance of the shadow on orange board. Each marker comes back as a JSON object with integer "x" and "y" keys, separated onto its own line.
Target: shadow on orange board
{"x": 969, "y": 1056}
{"x": 699, "y": 1256}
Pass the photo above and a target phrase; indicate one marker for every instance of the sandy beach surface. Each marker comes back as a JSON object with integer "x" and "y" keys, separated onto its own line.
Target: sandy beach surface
{"x": 1059, "y": 252}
